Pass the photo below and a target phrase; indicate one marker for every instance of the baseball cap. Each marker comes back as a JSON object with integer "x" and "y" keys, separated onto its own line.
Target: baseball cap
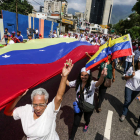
{"x": 13, "y": 32}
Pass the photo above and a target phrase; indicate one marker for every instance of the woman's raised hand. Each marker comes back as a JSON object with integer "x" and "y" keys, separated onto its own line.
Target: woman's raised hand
{"x": 67, "y": 68}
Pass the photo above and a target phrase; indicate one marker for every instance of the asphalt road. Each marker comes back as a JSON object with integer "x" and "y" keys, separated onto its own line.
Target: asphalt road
{"x": 12, "y": 130}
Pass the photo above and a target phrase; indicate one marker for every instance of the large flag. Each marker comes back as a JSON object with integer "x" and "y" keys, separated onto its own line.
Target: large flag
{"x": 119, "y": 47}
{"x": 25, "y": 65}
{"x": 100, "y": 56}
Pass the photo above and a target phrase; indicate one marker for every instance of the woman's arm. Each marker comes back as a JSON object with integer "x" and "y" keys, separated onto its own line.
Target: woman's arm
{"x": 65, "y": 72}
{"x": 113, "y": 71}
{"x": 88, "y": 55}
{"x": 128, "y": 77}
{"x": 11, "y": 106}
{"x": 101, "y": 79}
{"x": 67, "y": 82}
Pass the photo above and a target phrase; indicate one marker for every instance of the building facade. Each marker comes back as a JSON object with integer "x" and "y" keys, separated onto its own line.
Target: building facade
{"x": 55, "y": 6}
{"x": 98, "y": 11}
{"x": 107, "y": 12}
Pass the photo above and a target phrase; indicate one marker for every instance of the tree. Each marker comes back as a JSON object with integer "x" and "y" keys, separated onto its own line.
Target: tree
{"x": 136, "y": 7}
{"x": 23, "y": 6}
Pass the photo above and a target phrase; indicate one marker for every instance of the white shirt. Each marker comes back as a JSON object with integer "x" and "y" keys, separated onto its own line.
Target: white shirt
{"x": 137, "y": 54}
{"x": 55, "y": 35}
{"x": 28, "y": 32}
{"x": 129, "y": 58}
{"x": 61, "y": 36}
{"x": 94, "y": 43}
{"x": 87, "y": 97}
{"x": 133, "y": 83}
{"x": 83, "y": 39}
{"x": 42, "y": 128}
{"x": 90, "y": 39}
{"x": 11, "y": 42}
{"x": 103, "y": 42}
{"x": 36, "y": 31}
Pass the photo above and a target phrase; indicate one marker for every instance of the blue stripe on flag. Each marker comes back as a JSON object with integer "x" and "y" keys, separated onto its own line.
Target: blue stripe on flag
{"x": 44, "y": 55}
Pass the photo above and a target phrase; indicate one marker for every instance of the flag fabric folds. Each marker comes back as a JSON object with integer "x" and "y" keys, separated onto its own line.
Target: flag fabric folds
{"x": 25, "y": 65}
{"x": 119, "y": 47}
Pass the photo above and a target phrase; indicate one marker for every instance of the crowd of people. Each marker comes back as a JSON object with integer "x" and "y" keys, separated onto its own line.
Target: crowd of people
{"x": 42, "y": 114}
{"x": 11, "y": 38}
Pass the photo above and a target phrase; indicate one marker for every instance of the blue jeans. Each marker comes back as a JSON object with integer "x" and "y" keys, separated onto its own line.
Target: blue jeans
{"x": 127, "y": 66}
{"x": 130, "y": 95}
{"x": 36, "y": 36}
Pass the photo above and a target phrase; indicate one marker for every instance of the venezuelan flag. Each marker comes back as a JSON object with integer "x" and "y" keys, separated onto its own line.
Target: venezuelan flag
{"x": 119, "y": 47}
{"x": 100, "y": 56}
{"x": 25, "y": 65}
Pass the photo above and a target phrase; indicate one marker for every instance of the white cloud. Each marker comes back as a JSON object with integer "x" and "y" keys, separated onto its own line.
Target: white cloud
{"x": 124, "y": 2}
{"x": 79, "y": 7}
{"x": 81, "y": 4}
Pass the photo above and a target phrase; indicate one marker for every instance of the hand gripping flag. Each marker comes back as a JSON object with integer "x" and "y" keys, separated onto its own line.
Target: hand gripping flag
{"x": 119, "y": 47}
{"x": 25, "y": 65}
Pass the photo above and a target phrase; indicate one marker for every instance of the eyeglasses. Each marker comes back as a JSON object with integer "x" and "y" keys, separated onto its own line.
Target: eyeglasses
{"x": 40, "y": 105}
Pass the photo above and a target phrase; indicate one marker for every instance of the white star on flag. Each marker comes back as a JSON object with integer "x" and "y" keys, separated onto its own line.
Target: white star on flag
{"x": 41, "y": 50}
{"x": 6, "y": 56}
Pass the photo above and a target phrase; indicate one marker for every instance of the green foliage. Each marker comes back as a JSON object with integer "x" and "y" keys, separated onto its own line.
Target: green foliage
{"x": 137, "y": 7}
{"x": 10, "y": 5}
{"x": 130, "y": 25}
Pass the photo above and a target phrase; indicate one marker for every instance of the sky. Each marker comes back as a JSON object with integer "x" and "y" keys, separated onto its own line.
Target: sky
{"x": 80, "y": 4}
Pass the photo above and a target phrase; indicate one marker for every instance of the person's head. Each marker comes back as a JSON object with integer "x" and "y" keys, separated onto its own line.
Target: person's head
{"x": 39, "y": 99}
{"x": 13, "y": 33}
{"x": 40, "y": 36}
{"x": 9, "y": 37}
{"x": 30, "y": 37}
{"x": 109, "y": 55}
{"x": 6, "y": 29}
{"x": 18, "y": 33}
{"x": 84, "y": 77}
{"x": 94, "y": 40}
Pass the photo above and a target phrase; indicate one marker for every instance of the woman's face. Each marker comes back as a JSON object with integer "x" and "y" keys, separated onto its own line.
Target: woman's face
{"x": 84, "y": 76}
{"x": 109, "y": 57}
{"x": 39, "y": 104}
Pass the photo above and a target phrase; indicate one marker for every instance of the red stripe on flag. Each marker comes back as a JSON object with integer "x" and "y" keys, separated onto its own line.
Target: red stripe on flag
{"x": 95, "y": 64}
{"x": 15, "y": 79}
{"x": 121, "y": 53}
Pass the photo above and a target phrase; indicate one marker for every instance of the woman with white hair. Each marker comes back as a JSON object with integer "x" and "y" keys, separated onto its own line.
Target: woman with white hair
{"x": 38, "y": 119}
{"x": 85, "y": 88}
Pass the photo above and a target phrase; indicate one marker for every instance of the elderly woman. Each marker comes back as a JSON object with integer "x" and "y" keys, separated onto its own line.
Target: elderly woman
{"x": 38, "y": 119}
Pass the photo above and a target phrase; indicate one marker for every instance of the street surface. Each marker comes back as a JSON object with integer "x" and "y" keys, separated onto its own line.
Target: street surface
{"x": 113, "y": 103}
